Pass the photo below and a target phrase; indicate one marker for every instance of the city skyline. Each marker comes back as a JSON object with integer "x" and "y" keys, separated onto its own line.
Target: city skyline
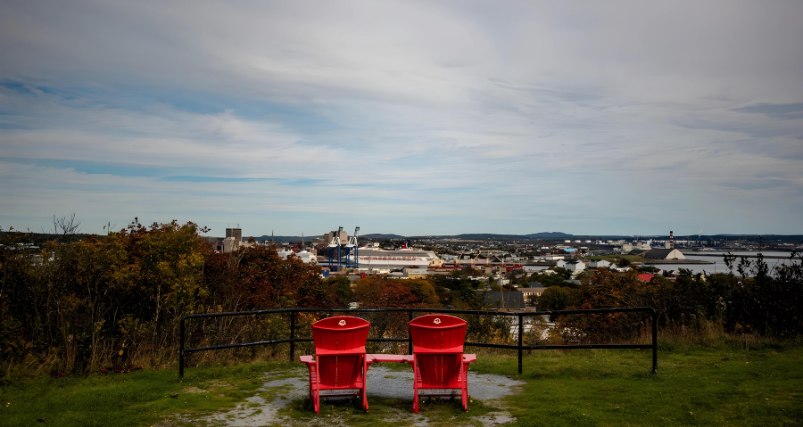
{"x": 411, "y": 118}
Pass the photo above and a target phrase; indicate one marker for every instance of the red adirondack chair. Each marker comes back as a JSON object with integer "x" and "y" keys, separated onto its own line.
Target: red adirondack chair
{"x": 438, "y": 359}
{"x": 340, "y": 362}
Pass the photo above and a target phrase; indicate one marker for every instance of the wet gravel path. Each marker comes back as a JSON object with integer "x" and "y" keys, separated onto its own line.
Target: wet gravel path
{"x": 382, "y": 382}
{"x": 385, "y": 382}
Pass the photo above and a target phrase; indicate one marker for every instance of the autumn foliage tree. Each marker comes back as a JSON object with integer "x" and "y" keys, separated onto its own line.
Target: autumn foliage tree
{"x": 78, "y": 303}
{"x": 757, "y": 300}
{"x": 82, "y": 303}
{"x": 382, "y": 292}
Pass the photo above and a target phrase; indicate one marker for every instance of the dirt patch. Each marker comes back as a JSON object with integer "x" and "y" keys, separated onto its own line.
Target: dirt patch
{"x": 496, "y": 419}
{"x": 281, "y": 389}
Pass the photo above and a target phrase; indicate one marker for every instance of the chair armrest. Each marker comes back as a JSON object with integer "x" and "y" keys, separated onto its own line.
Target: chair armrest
{"x": 307, "y": 360}
{"x": 469, "y": 358}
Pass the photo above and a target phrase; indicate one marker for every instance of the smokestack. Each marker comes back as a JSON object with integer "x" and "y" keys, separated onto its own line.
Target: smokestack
{"x": 671, "y": 240}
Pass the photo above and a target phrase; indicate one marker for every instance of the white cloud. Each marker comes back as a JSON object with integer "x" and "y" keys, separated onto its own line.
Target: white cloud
{"x": 512, "y": 117}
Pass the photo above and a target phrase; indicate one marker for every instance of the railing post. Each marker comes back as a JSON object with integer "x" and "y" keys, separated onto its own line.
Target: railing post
{"x": 181, "y": 349}
{"x": 654, "y": 341}
{"x": 521, "y": 335}
{"x": 409, "y": 337}
{"x": 292, "y": 335}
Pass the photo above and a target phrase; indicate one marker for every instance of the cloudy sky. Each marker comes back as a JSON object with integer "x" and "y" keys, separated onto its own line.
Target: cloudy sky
{"x": 404, "y": 117}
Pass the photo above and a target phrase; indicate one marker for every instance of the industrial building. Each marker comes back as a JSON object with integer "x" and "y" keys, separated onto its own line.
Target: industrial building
{"x": 664, "y": 254}
{"x": 232, "y": 242}
{"x": 345, "y": 252}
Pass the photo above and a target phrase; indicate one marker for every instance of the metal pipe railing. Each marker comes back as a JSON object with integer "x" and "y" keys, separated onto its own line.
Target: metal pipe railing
{"x": 520, "y": 346}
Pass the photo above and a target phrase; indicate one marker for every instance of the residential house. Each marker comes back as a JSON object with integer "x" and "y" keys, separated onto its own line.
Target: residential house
{"x": 599, "y": 264}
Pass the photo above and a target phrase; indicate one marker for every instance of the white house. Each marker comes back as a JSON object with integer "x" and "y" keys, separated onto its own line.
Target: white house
{"x": 575, "y": 265}
{"x": 599, "y": 264}
{"x": 532, "y": 294}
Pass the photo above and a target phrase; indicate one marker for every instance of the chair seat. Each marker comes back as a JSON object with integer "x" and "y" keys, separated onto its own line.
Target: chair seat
{"x": 325, "y": 352}
{"x": 448, "y": 350}
{"x": 356, "y": 386}
{"x": 388, "y": 358}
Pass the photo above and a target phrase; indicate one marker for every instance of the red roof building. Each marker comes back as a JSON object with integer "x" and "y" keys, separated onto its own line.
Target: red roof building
{"x": 645, "y": 277}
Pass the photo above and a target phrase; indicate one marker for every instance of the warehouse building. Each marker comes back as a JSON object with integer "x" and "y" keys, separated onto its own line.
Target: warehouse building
{"x": 665, "y": 254}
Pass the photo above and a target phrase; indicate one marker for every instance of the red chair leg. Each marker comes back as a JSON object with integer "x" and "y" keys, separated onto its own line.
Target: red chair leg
{"x": 415, "y": 387}
{"x": 365, "y": 384}
{"x": 364, "y": 399}
{"x": 465, "y": 386}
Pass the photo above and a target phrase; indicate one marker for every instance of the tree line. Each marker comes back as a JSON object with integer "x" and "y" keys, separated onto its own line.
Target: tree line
{"x": 76, "y": 304}
{"x": 750, "y": 299}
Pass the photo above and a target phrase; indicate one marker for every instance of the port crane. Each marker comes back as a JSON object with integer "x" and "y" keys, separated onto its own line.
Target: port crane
{"x": 352, "y": 246}
{"x": 337, "y": 249}
{"x": 334, "y": 246}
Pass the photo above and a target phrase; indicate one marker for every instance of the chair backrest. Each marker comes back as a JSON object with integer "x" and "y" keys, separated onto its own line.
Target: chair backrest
{"x": 340, "y": 335}
{"x": 439, "y": 370}
{"x": 339, "y": 370}
{"x": 340, "y": 346}
{"x": 438, "y": 333}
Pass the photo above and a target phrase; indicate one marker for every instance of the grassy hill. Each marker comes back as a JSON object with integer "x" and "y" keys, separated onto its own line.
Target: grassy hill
{"x": 694, "y": 386}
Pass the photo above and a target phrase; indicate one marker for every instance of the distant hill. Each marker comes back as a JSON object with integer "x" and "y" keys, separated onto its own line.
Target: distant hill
{"x": 381, "y": 236}
{"x": 487, "y": 236}
{"x": 548, "y": 235}
{"x": 289, "y": 239}
{"x": 297, "y": 239}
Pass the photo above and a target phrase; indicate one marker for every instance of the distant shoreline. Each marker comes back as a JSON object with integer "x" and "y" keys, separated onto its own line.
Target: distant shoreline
{"x": 739, "y": 256}
{"x": 677, "y": 261}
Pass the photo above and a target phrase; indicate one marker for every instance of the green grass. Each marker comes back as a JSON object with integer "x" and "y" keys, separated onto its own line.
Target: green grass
{"x": 694, "y": 386}
{"x": 135, "y": 399}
